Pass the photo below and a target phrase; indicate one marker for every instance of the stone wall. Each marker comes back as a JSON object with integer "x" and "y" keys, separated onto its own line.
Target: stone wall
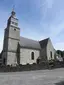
{"x": 25, "y": 56}
{"x": 50, "y": 48}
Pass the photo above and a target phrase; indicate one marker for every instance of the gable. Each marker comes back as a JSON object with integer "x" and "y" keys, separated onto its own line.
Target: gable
{"x": 43, "y": 43}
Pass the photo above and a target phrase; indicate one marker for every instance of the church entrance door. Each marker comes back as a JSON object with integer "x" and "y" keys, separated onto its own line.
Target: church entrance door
{"x": 38, "y": 60}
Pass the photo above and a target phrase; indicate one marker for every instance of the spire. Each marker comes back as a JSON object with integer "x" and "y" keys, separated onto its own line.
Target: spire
{"x": 13, "y": 12}
{"x": 12, "y": 19}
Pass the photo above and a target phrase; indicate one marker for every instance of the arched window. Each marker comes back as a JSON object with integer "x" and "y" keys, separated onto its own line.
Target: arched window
{"x": 32, "y": 55}
{"x": 51, "y": 54}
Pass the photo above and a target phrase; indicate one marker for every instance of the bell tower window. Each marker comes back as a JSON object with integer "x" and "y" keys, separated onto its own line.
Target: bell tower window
{"x": 12, "y": 22}
{"x": 15, "y": 23}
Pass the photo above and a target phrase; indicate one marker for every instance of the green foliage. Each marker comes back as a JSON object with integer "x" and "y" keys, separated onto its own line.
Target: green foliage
{"x": 60, "y": 53}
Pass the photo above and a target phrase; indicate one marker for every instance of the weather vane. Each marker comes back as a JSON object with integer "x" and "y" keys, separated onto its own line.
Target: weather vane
{"x": 13, "y": 8}
{"x": 13, "y": 12}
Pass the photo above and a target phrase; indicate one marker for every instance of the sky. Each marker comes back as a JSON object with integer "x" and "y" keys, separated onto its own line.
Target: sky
{"x": 38, "y": 19}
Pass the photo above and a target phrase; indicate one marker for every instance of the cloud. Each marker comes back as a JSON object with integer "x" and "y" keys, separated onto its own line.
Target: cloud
{"x": 59, "y": 46}
{"x": 1, "y": 44}
{"x": 3, "y": 21}
{"x": 39, "y": 19}
{"x": 49, "y": 3}
{"x": 52, "y": 19}
{"x": 56, "y": 29}
{"x": 52, "y": 22}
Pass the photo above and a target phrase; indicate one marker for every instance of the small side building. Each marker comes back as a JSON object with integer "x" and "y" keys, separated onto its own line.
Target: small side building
{"x": 47, "y": 50}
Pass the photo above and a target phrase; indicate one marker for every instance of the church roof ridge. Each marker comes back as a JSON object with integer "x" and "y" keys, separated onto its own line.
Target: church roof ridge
{"x": 29, "y": 38}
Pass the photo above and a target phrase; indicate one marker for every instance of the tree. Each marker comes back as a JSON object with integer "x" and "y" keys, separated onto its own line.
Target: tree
{"x": 61, "y": 53}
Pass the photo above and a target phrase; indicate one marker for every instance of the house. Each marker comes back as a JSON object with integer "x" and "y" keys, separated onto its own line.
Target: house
{"x": 19, "y": 50}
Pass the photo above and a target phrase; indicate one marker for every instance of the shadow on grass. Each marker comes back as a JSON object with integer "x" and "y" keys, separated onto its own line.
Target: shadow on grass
{"x": 60, "y": 83}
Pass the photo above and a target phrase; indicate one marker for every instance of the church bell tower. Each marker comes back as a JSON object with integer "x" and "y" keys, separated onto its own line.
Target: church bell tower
{"x": 11, "y": 40}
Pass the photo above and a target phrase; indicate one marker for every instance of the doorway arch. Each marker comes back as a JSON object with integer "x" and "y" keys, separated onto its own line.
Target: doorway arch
{"x": 38, "y": 61}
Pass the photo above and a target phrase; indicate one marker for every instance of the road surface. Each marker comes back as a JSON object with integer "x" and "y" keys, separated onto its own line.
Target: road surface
{"x": 40, "y": 77}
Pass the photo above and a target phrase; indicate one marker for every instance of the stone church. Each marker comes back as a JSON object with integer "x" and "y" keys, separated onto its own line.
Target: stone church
{"x": 20, "y": 50}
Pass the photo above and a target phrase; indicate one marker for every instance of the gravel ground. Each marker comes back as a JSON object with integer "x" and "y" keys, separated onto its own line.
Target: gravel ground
{"x": 40, "y": 77}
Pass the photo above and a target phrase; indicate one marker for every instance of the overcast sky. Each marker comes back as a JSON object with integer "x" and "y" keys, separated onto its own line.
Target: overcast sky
{"x": 38, "y": 19}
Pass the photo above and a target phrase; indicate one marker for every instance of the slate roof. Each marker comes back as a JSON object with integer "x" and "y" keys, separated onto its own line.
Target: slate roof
{"x": 43, "y": 43}
{"x": 29, "y": 43}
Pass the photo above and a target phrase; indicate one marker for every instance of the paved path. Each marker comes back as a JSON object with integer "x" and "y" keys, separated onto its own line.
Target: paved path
{"x": 40, "y": 77}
